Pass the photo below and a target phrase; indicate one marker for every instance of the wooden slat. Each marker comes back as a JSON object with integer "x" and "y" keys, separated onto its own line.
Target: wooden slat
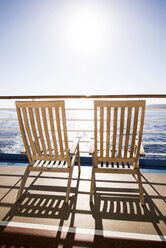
{"x": 114, "y": 132}
{"x": 134, "y": 132}
{"x": 139, "y": 147}
{"x": 48, "y": 158}
{"x": 28, "y": 131}
{"x": 125, "y": 165}
{"x": 57, "y": 164}
{"x": 121, "y": 132}
{"x": 120, "y": 104}
{"x": 51, "y": 164}
{"x": 104, "y": 165}
{"x": 39, "y": 104}
{"x": 53, "y": 132}
{"x": 121, "y": 166}
{"x": 99, "y": 165}
{"x": 46, "y": 131}
{"x": 103, "y": 159}
{"x": 50, "y": 169}
{"x": 24, "y": 136}
{"x": 65, "y": 130}
{"x": 109, "y": 165}
{"x": 45, "y": 163}
{"x": 34, "y": 131}
{"x": 40, "y": 164}
{"x": 108, "y": 133}
{"x": 40, "y": 131}
{"x": 127, "y": 132}
{"x": 115, "y": 170}
{"x": 101, "y": 130}
{"x": 36, "y": 163}
{"x": 96, "y": 132}
{"x": 62, "y": 164}
{"x": 59, "y": 131}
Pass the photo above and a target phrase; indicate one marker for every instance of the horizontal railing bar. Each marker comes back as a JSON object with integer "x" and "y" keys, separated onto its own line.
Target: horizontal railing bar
{"x": 155, "y": 120}
{"x": 157, "y": 132}
{"x": 146, "y": 154}
{"x": 17, "y": 149}
{"x": 82, "y": 130}
{"x": 7, "y": 119}
{"x": 85, "y": 96}
{"x": 91, "y": 109}
{"x": 79, "y": 109}
{"x": 10, "y": 129}
{"x": 87, "y": 141}
{"x": 10, "y": 139}
{"x": 153, "y": 143}
{"x": 73, "y": 130}
{"x": 67, "y": 109}
{"x": 15, "y": 119}
{"x": 10, "y": 149}
{"x": 155, "y": 109}
{"x": 155, "y": 154}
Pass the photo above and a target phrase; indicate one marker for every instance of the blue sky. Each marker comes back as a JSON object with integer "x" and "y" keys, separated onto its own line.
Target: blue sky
{"x": 82, "y": 47}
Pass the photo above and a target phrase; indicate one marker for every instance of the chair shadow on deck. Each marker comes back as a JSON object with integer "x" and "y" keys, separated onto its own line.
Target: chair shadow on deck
{"x": 123, "y": 204}
{"x": 43, "y": 206}
{"x": 46, "y": 205}
{"x": 109, "y": 203}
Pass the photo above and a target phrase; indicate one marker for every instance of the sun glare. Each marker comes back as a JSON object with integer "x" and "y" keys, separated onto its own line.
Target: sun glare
{"x": 86, "y": 30}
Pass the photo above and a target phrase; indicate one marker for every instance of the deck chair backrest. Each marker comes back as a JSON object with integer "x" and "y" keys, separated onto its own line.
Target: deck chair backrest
{"x": 118, "y": 127}
{"x": 43, "y": 129}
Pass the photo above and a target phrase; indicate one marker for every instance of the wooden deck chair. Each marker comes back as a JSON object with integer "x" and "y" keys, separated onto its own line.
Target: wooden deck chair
{"x": 118, "y": 128}
{"x": 43, "y": 129}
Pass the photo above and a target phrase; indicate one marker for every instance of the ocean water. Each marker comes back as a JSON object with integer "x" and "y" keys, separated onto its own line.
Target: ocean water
{"x": 156, "y": 126}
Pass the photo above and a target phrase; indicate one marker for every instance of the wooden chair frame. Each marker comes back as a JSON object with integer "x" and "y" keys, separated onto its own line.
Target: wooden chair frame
{"x": 118, "y": 129}
{"x": 44, "y": 133}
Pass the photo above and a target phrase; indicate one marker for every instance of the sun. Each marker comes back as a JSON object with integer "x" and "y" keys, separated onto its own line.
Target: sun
{"x": 85, "y": 29}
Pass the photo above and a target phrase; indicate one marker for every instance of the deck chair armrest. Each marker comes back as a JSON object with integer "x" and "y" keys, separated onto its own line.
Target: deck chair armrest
{"x": 74, "y": 146}
{"x": 91, "y": 146}
{"x": 142, "y": 152}
{"x": 23, "y": 151}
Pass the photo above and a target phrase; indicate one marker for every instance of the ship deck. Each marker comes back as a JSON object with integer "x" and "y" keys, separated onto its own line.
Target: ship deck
{"x": 115, "y": 217}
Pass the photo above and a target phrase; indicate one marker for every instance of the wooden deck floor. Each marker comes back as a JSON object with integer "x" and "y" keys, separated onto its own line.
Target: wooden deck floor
{"x": 115, "y": 218}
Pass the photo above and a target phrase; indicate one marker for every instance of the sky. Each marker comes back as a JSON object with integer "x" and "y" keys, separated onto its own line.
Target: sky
{"x": 84, "y": 47}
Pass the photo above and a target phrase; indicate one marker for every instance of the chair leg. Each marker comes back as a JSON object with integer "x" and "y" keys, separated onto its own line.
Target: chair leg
{"x": 92, "y": 185}
{"x": 78, "y": 159}
{"x": 69, "y": 185}
{"x": 24, "y": 179}
{"x": 140, "y": 188}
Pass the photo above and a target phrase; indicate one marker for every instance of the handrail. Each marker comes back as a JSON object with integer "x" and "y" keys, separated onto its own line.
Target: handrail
{"x": 76, "y": 119}
{"x": 85, "y": 96}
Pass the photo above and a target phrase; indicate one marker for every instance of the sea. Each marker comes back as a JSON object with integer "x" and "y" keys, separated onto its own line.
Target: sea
{"x": 11, "y": 139}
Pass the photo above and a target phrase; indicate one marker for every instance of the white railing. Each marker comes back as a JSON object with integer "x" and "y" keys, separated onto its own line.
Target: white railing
{"x": 80, "y": 123}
